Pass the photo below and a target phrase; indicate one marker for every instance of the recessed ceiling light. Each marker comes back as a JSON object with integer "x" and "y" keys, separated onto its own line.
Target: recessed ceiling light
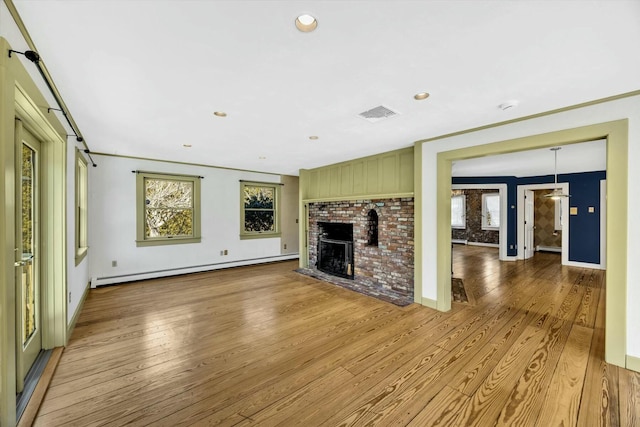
{"x": 187, "y": 145}
{"x": 262, "y": 157}
{"x": 314, "y": 137}
{"x": 220, "y": 114}
{"x": 508, "y": 105}
{"x": 420, "y": 96}
{"x": 306, "y": 23}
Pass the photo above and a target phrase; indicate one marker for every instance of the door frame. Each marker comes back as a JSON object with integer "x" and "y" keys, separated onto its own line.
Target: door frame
{"x": 565, "y": 224}
{"x": 21, "y": 98}
{"x": 616, "y": 133}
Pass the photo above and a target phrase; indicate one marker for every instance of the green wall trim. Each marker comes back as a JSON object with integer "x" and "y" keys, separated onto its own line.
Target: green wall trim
{"x": 633, "y": 363}
{"x": 21, "y": 98}
{"x": 616, "y": 134}
{"x": 360, "y": 197}
{"x": 72, "y": 324}
{"x": 428, "y": 302}
{"x": 534, "y": 116}
{"x": 417, "y": 227}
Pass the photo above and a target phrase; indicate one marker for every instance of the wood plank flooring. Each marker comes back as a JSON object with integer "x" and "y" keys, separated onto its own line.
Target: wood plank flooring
{"x": 265, "y": 346}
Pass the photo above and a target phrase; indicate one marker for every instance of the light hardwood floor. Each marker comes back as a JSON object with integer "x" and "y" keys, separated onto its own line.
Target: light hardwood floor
{"x": 265, "y": 346}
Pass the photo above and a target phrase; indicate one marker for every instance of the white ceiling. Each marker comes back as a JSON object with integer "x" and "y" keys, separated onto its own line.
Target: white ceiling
{"x": 573, "y": 158}
{"x": 142, "y": 78}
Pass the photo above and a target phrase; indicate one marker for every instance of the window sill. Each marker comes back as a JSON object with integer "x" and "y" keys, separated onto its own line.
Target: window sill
{"x": 167, "y": 241}
{"x": 81, "y": 253}
{"x": 259, "y": 236}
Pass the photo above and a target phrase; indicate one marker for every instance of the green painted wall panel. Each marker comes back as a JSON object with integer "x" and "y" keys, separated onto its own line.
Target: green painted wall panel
{"x": 406, "y": 170}
{"x": 373, "y": 179}
{"x": 383, "y": 174}
{"x": 389, "y": 178}
{"x": 346, "y": 172}
{"x": 324, "y": 183}
{"x": 334, "y": 177}
{"x": 359, "y": 178}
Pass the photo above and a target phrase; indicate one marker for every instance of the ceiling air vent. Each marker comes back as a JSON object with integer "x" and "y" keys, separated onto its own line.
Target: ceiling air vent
{"x": 378, "y": 113}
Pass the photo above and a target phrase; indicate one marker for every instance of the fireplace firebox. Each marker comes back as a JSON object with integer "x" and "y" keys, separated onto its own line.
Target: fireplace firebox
{"x": 335, "y": 249}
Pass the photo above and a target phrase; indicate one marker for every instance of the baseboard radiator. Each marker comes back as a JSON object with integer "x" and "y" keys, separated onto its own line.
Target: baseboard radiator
{"x": 110, "y": 280}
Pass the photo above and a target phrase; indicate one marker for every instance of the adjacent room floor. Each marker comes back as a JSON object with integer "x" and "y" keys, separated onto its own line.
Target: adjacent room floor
{"x": 266, "y": 346}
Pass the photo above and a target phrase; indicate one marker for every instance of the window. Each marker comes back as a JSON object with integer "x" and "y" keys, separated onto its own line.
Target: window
{"x": 168, "y": 209}
{"x": 82, "y": 202}
{"x": 491, "y": 211}
{"x": 260, "y": 202}
{"x": 458, "y": 211}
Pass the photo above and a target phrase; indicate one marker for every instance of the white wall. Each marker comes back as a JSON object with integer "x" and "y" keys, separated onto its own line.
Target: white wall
{"x": 112, "y": 223}
{"x": 599, "y": 113}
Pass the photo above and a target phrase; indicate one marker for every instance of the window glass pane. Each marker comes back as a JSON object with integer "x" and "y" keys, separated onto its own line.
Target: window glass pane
{"x": 168, "y": 208}
{"x": 259, "y": 197}
{"x": 259, "y": 221}
{"x": 457, "y": 211}
{"x": 160, "y": 193}
{"x": 168, "y": 222}
{"x": 492, "y": 210}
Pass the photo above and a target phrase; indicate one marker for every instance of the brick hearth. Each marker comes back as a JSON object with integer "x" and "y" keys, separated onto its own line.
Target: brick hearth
{"x": 387, "y": 265}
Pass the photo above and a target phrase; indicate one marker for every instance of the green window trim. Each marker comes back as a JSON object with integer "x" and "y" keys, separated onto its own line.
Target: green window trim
{"x": 81, "y": 207}
{"x": 270, "y": 209}
{"x": 142, "y": 237}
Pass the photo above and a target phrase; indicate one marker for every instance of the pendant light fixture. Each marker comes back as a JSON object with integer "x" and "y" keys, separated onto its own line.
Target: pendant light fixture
{"x": 557, "y": 193}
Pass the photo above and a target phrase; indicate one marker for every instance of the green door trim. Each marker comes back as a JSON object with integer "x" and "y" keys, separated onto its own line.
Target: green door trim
{"x": 616, "y": 134}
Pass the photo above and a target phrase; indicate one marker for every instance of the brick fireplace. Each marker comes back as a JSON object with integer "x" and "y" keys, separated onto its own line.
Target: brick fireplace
{"x": 382, "y": 233}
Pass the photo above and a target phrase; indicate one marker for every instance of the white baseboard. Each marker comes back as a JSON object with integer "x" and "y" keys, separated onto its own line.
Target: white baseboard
{"x": 584, "y": 265}
{"x": 110, "y": 280}
{"x": 557, "y": 249}
{"x": 488, "y": 245}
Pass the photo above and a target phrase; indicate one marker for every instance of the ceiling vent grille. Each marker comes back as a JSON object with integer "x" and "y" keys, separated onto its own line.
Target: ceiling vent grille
{"x": 378, "y": 113}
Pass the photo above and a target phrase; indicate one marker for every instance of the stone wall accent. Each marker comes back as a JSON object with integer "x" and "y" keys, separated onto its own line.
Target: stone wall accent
{"x": 388, "y": 265}
{"x": 474, "y": 231}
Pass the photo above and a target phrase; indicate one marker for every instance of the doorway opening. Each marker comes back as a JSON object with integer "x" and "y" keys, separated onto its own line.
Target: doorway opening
{"x": 616, "y": 135}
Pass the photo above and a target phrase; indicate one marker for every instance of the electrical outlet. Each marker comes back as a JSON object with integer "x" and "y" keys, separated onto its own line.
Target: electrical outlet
{"x": 114, "y": 263}
{"x": 69, "y": 297}
{"x": 226, "y": 252}
{"x": 221, "y": 253}
{"x": 510, "y": 246}
{"x": 285, "y": 246}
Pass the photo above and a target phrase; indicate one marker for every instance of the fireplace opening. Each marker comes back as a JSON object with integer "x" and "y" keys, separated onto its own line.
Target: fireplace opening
{"x": 335, "y": 249}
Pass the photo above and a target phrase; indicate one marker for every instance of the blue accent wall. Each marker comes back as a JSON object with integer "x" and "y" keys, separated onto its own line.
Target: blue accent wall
{"x": 584, "y": 228}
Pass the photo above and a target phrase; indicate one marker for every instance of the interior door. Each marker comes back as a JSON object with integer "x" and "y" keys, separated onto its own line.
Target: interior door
{"x": 529, "y": 226}
{"x": 27, "y": 279}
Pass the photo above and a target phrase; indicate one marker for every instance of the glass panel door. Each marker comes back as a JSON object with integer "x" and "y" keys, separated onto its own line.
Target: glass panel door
{"x": 29, "y": 342}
